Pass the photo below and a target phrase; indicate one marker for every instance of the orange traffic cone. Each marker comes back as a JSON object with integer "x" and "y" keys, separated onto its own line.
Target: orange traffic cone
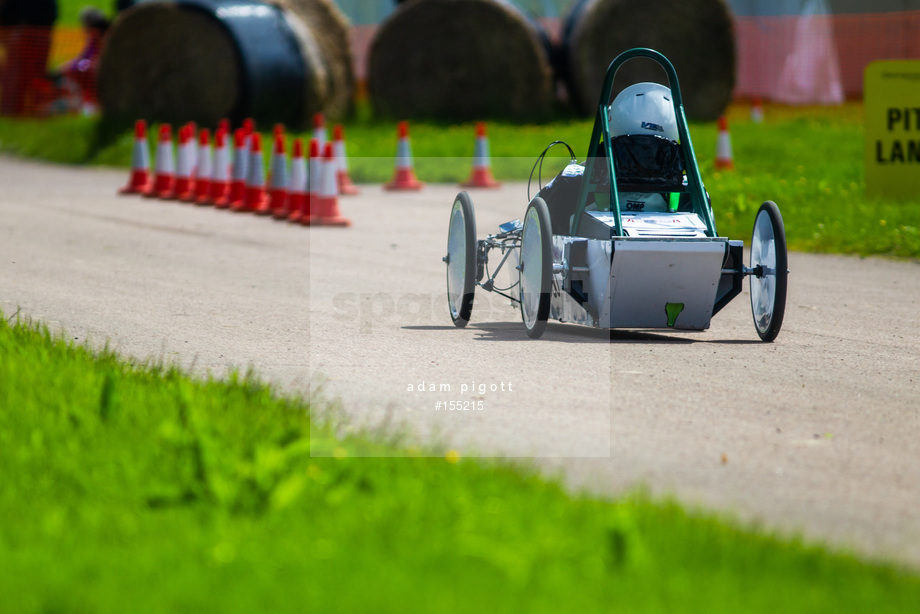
{"x": 220, "y": 171}
{"x": 202, "y": 168}
{"x": 237, "y": 192}
{"x": 139, "y": 183}
{"x": 757, "y": 110}
{"x": 278, "y": 178}
{"x": 256, "y": 198}
{"x": 164, "y": 179}
{"x": 404, "y": 178}
{"x": 724, "y": 160}
{"x": 319, "y": 131}
{"x": 185, "y": 182}
{"x": 346, "y": 187}
{"x": 325, "y": 203}
{"x": 481, "y": 177}
{"x": 296, "y": 187}
{"x": 302, "y": 215}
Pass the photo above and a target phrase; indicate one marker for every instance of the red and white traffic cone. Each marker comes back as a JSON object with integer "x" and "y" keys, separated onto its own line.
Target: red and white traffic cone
{"x": 220, "y": 172}
{"x": 404, "y": 178}
{"x": 325, "y": 205}
{"x": 319, "y": 131}
{"x": 296, "y": 187}
{"x": 278, "y": 178}
{"x": 346, "y": 187}
{"x": 481, "y": 176}
{"x": 202, "y": 167}
{"x": 237, "y": 192}
{"x": 192, "y": 146}
{"x": 185, "y": 182}
{"x": 249, "y": 127}
{"x": 256, "y": 197}
{"x": 314, "y": 174}
{"x": 139, "y": 182}
{"x": 757, "y": 110}
{"x": 164, "y": 179}
{"x": 724, "y": 160}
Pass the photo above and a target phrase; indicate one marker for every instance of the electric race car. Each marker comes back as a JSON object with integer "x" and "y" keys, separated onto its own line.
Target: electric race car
{"x": 627, "y": 239}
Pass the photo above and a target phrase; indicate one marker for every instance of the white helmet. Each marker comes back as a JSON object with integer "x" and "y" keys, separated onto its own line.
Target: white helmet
{"x": 644, "y": 108}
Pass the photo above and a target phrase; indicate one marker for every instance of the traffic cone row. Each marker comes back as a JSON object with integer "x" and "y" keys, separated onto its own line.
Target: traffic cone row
{"x": 194, "y": 172}
{"x": 302, "y": 195}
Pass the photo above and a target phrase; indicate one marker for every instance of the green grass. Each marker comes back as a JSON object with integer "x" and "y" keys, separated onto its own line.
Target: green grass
{"x": 69, "y": 10}
{"x": 809, "y": 160}
{"x": 130, "y": 487}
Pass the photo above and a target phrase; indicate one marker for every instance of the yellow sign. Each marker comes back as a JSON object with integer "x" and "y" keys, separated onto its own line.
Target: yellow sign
{"x": 891, "y": 91}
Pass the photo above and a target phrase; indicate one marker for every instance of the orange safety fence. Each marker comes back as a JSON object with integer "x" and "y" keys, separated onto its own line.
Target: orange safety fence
{"x": 814, "y": 48}
{"x": 29, "y": 85}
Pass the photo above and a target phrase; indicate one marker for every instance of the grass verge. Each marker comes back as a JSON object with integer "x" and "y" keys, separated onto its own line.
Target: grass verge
{"x": 807, "y": 160}
{"x": 131, "y": 486}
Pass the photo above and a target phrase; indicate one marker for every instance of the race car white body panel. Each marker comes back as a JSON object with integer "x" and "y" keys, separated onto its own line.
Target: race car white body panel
{"x": 664, "y": 274}
{"x": 648, "y": 275}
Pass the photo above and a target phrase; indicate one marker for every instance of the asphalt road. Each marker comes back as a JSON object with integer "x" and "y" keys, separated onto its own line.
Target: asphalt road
{"x": 817, "y": 433}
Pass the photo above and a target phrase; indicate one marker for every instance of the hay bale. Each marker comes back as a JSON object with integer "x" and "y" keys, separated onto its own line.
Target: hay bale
{"x": 206, "y": 59}
{"x": 696, "y": 35}
{"x": 460, "y": 60}
{"x": 328, "y": 43}
{"x": 156, "y": 59}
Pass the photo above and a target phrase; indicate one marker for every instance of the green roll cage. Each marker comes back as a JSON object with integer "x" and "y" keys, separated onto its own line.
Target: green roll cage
{"x": 600, "y": 150}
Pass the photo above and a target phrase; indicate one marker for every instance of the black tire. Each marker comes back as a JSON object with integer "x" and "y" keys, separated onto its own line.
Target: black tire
{"x": 461, "y": 252}
{"x": 768, "y": 291}
{"x": 536, "y": 252}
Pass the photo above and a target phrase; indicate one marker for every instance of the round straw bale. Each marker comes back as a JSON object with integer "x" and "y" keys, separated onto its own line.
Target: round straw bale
{"x": 695, "y": 35}
{"x": 316, "y": 84}
{"x": 329, "y": 45}
{"x": 161, "y": 62}
{"x": 207, "y": 59}
{"x": 460, "y": 60}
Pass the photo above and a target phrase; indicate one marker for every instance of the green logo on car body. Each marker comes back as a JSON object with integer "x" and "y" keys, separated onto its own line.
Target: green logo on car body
{"x": 673, "y": 310}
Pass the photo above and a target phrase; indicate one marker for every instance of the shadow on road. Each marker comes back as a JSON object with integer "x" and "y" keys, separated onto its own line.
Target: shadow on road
{"x": 573, "y": 333}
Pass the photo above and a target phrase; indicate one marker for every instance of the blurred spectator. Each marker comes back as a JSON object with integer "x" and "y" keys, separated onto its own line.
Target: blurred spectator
{"x": 25, "y": 33}
{"x": 82, "y": 69}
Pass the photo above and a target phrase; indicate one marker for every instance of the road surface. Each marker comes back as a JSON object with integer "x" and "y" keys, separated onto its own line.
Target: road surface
{"x": 816, "y": 434}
